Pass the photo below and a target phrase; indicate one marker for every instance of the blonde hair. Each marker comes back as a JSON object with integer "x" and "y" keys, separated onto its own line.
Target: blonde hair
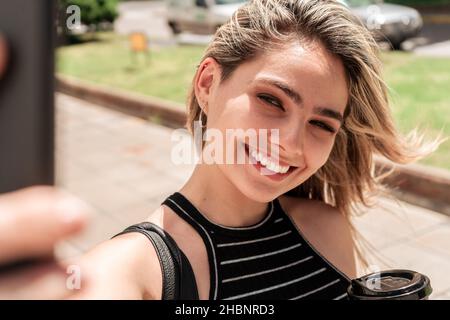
{"x": 348, "y": 178}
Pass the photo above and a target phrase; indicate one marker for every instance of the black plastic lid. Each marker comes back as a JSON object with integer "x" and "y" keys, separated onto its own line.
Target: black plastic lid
{"x": 391, "y": 284}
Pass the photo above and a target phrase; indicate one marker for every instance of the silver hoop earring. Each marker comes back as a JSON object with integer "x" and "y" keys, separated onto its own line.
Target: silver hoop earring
{"x": 200, "y": 120}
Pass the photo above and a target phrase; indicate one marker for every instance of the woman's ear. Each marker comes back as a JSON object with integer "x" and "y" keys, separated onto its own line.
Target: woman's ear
{"x": 206, "y": 80}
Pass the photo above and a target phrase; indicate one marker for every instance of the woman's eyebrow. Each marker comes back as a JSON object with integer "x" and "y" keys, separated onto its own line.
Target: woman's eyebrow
{"x": 330, "y": 113}
{"x": 297, "y": 99}
{"x": 294, "y": 96}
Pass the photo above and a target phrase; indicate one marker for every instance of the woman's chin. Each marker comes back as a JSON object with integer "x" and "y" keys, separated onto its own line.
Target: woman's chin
{"x": 259, "y": 192}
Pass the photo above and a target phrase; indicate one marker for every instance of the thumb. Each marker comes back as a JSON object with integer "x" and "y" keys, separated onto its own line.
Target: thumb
{"x": 34, "y": 219}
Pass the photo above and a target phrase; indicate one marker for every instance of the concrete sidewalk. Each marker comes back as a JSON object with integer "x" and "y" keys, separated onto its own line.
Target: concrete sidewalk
{"x": 438, "y": 50}
{"x": 121, "y": 165}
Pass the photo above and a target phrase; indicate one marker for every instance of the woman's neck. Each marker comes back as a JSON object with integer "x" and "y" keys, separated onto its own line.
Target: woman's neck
{"x": 219, "y": 200}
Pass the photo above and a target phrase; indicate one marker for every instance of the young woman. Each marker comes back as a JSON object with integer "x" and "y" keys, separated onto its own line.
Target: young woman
{"x": 310, "y": 70}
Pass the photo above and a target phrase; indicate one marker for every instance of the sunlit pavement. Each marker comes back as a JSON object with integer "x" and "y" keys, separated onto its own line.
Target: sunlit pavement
{"x": 438, "y": 50}
{"x": 122, "y": 166}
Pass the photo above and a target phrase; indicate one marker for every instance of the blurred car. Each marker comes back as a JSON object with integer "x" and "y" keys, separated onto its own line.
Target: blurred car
{"x": 388, "y": 22}
{"x": 200, "y": 16}
{"x": 391, "y": 22}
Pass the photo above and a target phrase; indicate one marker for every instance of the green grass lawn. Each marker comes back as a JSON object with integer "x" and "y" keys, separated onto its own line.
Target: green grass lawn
{"x": 420, "y": 97}
{"x": 167, "y": 73}
{"x": 420, "y": 85}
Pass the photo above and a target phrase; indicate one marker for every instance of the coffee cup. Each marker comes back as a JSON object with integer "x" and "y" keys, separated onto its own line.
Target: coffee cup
{"x": 391, "y": 285}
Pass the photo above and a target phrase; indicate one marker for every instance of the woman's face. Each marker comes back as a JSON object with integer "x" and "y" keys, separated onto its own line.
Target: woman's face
{"x": 301, "y": 90}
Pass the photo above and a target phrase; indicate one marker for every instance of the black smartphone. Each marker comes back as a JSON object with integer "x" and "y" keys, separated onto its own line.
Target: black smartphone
{"x": 27, "y": 94}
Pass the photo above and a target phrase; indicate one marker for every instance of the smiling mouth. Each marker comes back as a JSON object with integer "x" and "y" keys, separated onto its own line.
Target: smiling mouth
{"x": 266, "y": 165}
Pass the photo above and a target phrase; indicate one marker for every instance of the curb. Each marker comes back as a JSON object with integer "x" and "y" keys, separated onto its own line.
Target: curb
{"x": 421, "y": 185}
{"x": 161, "y": 111}
{"x": 417, "y": 184}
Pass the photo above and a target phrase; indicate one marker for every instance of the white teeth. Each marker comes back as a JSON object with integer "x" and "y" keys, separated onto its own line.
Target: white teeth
{"x": 264, "y": 161}
{"x": 268, "y": 163}
{"x": 284, "y": 169}
{"x": 254, "y": 155}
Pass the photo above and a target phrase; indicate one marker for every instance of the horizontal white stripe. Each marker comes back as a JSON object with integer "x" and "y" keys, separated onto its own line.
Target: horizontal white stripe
{"x": 266, "y": 271}
{"x": 261, "y": 255}
{"x": 277, "y": 286}
{"x": 340, "y": 297}
{"x": 253, "y": 241}
{"x": 315, "y": 250}
{"x": 278, "y": 220}
{"x": 315, "y": 290}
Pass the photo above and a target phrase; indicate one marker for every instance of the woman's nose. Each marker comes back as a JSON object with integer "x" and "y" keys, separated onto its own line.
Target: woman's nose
{"x": 292, "y": 139}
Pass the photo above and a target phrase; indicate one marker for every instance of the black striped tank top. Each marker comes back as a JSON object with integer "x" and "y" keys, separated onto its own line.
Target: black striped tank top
{"x": 268, "y": 260}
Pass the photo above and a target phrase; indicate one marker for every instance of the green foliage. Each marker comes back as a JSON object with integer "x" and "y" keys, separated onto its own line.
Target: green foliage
{"x": 93, "y": 11}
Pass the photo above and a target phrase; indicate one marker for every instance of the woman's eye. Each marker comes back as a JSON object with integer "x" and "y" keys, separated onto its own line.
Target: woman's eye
{"x": 272, "y": 101}
{"x": 323, "y": 126}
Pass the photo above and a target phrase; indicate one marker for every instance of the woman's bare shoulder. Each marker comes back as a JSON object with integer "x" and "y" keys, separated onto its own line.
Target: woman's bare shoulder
{"x": 124, "y": 267}
{"x": 326, "y": 228}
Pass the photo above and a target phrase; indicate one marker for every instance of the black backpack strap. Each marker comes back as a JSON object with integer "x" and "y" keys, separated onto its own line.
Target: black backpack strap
{"x": 178, "y": 277}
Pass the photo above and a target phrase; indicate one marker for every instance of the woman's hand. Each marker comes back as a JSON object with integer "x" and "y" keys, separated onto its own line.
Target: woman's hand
{"x": 32, "y": 221}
